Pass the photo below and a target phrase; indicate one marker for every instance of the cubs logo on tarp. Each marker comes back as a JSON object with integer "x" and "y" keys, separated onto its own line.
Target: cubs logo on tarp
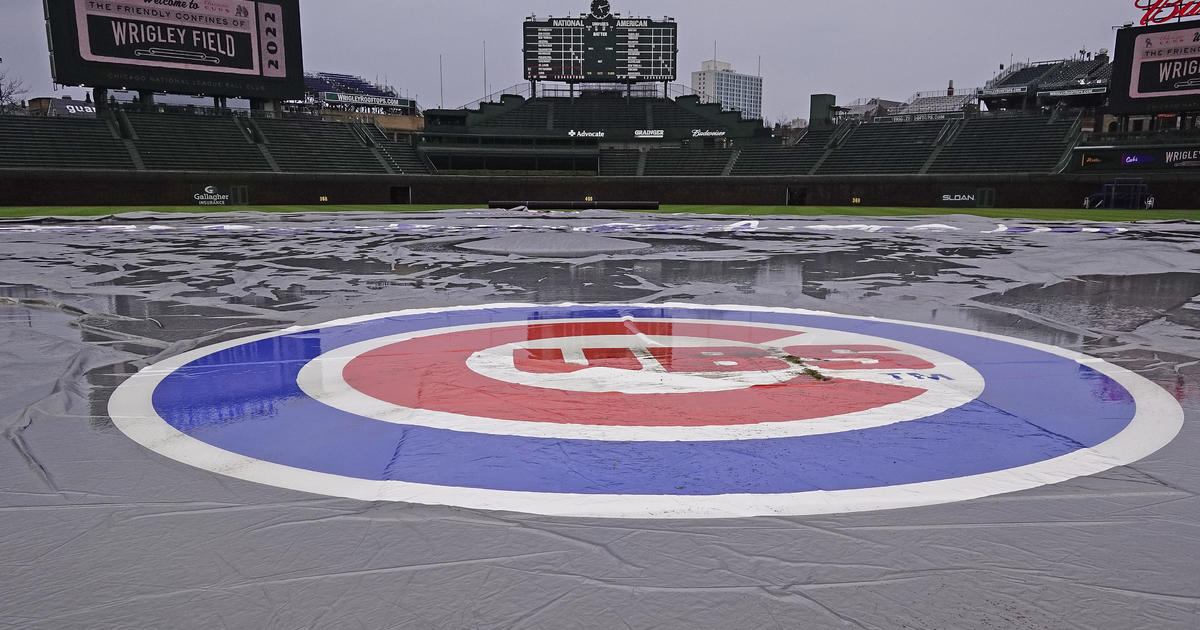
{"x": 644, "y": 411}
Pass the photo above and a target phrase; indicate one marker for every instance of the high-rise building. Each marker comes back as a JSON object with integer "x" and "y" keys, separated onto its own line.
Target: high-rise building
{"x": 716, "y": 82}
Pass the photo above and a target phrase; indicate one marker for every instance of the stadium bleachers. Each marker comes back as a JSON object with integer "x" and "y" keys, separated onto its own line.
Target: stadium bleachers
{"x": 798, "y": 159}
{"x": 1103, "y": 74}
{"x": 686, "y": 162}
{"x": 1006, "y": 145}
{"x": 402, "y": 156}
{"x": 1071, "y": 73}
{"x": 619, "y": 162}
{"x": 1025, "y": 76}
{"x": 606, "y": 113}
{"x": 61, "y": 143}
{"x": 936, "y": 104}
{"x": 311, "y": 146}
{"x": 185, "y": 142}
{"x": 884, "y": 148}
{"x": 667, "y": 115}
{"x": 344, "y": 84}
{"x": 533, "y": 114}
{"x": 195, "y": 143}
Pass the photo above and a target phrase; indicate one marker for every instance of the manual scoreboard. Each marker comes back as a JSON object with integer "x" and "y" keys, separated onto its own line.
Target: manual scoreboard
{"x": 594, "y": 50}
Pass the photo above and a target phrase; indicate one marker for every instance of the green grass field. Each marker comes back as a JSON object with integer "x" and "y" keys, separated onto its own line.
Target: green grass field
{"x": 804, "y": 211}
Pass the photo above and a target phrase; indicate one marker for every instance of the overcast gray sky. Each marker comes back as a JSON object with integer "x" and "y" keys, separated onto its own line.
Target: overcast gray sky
{"x": 885, "y": 48}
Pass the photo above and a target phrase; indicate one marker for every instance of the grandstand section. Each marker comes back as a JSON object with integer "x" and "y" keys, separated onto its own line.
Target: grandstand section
{"x": 598, "y": 113}
{"x": 883, "y": 148}
{"x": 667, "y": 115}
{"x": 61, "y": 143}
{"x": 303, "y": 146}
{"x": 179, "y": 142}
{"x": 151, "y": 141}
{"x": 401, "y": 156}
{"x": 620, "y": 162}
{"x": 797, "y": 159}
{"x": 518, "y": 115}
{"x": 596, "y": 132}
{"x": 613, "y": 113}
{"x": 690, "y": 162}
{"x": 1008, "y": 145}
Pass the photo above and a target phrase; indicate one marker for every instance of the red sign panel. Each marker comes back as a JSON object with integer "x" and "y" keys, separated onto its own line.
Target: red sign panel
{"x": 1161, "y": 11}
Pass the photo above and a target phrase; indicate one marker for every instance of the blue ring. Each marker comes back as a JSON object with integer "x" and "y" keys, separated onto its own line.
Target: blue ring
{"x": 1036, "y": 406}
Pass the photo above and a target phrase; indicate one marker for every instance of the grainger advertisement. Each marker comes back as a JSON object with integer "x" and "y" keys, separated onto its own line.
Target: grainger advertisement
{"x": 222, "y": 47}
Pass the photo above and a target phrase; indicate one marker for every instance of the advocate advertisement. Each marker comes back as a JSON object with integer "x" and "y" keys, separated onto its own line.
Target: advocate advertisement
{"x": 219, "y": 47}
{"x": 1157, "y": 69}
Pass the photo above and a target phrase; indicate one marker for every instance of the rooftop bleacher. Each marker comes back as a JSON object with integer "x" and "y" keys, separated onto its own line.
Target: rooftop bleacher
{"x": 1103, "y": 74}
{"x": 1068, "y": 73}
{"x": 935, "y": 104}
{"x": 1024, "y": 76}
{"x": 862, "y": 107}
{"x": 345, "y": 84}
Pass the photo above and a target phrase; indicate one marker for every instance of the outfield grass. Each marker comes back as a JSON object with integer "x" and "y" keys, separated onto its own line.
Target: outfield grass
{"x": 805, "y": 211}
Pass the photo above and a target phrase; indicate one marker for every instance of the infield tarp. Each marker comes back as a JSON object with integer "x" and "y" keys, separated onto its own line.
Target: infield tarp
{"x": 99, "y": 532}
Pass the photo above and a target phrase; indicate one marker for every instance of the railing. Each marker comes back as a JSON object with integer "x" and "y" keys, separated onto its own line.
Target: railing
{"x": 519, "y": 89}
{"x": 942, "y": 92}
{"x": 1162, "y": 136}
{"x": 1012, "y": 69}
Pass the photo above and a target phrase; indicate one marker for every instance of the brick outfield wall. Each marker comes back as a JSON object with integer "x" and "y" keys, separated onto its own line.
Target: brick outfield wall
{"x": 96, "y": 188}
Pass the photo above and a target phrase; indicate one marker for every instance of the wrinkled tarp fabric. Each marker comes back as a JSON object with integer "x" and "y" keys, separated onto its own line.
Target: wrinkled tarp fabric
{"x": 101, "y": 533}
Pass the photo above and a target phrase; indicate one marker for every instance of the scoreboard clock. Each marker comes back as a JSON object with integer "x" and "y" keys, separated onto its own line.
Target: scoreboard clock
{"x": 601, "y": 47}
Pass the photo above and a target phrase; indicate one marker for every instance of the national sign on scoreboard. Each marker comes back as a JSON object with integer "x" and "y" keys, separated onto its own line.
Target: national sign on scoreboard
{"x": 644, "y": 411}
